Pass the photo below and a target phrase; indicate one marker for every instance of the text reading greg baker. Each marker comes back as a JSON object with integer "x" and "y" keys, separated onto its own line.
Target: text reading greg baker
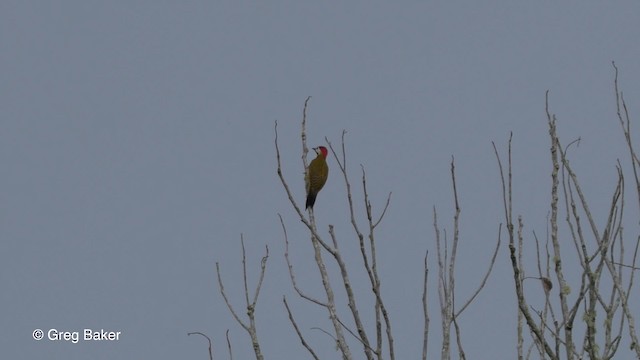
{"x": 75, "y": 337}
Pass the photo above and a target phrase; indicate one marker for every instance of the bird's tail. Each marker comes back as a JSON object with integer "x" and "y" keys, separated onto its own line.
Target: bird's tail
{"x": 311, "y": 199}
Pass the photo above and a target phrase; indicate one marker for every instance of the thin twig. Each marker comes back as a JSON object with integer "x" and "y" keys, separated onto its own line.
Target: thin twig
{"x": 295, "y": 327}
{"x": 625, "y": 265}
{"x": 486, "y": 275}
{"x": 208, "y": 339}
{"x": 244, "y": 271}
{"x": 425, "y": 310}
{"x": 229, "y": 345}
{"x": 226, "y": 300}
{"x": 355, "y": 336}
{"x": 291, "y": 273}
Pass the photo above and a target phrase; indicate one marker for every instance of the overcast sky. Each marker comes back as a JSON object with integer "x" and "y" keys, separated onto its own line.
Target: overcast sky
{"x": 137, "y": 144}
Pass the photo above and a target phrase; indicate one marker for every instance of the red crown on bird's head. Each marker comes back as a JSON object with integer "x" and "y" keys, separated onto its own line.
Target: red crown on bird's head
{"x": 322, "y": 150}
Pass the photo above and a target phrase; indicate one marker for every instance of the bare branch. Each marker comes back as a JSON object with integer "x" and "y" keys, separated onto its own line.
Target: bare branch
{"x": 384, "y": 211}
{"x": 351, "y": 300}
{"x": 486, "y": 276}
{"x": 555, "y": 148}
{"x": 627, "y": 266}
{"x": 356, "y": 336}
{"x": 452, "y": 260}
{"x": 379, "y": 306}
{"x": 303, "y": 133}
{"x": 208, "y": 339}
{"x": 625, "y": 124}
{"x": 229, "y": 345}
{"x": 425, "y": 333}
{"x": 522, "y": 304}
{"x": 295, "y": 326}
{"x": 263, "y": 267}
{"x": 226, "y": 300}
{"x": 325, "y": 332}
{"x": 284, "y": 183}
{"x": 291, "y": 274}
{"x": 461, "y": 353}
{"x": 244, "y": 271}
{"x": 251, "y": 328}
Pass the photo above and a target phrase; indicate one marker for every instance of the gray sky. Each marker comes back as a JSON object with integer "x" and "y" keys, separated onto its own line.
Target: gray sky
{"x": 137, "y": 144}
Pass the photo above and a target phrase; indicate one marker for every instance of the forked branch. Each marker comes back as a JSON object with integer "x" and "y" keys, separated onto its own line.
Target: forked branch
{"x": 250, "y": 328}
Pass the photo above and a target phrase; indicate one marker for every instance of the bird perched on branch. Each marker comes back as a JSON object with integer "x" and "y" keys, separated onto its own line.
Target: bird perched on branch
{"x": 316, "y": 175}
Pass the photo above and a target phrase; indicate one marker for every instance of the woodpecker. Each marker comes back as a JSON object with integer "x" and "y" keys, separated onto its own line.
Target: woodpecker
{"x": 316, "y": 175}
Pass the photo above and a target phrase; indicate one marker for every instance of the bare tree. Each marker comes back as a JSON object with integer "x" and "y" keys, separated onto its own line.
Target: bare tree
{"x": 590, "y": 319}
{"x": 601, "y": 302}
